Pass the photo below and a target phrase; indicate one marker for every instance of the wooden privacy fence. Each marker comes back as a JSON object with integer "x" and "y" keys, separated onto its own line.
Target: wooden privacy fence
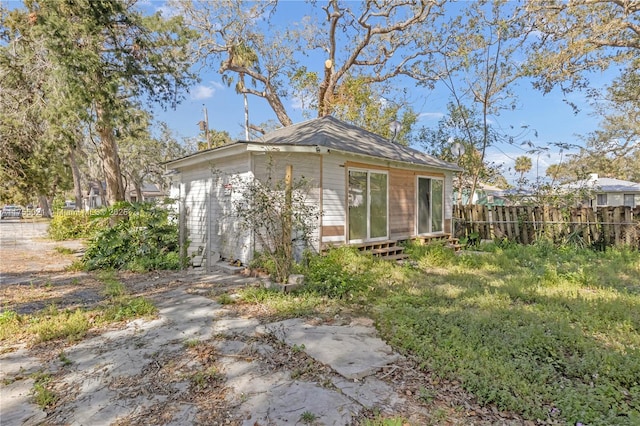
{"x": 606, "y": 226}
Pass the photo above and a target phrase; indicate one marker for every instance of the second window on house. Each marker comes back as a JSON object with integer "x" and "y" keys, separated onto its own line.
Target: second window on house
{"x": 368, "y": 205}
{"x": 430, "y": 205}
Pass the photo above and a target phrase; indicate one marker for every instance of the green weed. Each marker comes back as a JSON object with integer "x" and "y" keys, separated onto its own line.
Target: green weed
{"x": 10, "y": 324}
{"x": 63, "y": 250}
{"x": 308, "y": 417}
{"x": 191, "y": 343}
{"x": 129, "y": 308}
{"x": 203, "y": 379}
{"x": 226, "y": 299}
{"x": 64, "y": 359}
{"x": 52, "y": 324}
{"x": 43, "y": 396}
{"x": 384, "y": 421}
{"x": 112, "y": 286}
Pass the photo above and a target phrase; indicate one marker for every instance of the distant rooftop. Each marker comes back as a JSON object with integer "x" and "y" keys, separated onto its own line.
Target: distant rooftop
{"x": 604, "y": 184}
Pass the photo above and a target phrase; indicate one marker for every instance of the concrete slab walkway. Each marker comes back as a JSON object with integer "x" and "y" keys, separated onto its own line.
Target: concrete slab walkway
{"x": 128, "y": 376}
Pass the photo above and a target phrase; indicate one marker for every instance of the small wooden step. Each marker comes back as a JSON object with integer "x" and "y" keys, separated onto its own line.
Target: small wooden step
{"x": 399, "y": 256}
{"x": 386, "y": 251}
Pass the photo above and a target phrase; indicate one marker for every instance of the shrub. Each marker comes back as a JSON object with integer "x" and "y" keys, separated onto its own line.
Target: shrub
{"x": 73, "y": 226}
{"x": 141, "y": 238}
{"x": 275, "y": 212}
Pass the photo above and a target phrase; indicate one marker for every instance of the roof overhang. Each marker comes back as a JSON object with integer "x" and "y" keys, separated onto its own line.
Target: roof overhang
{"x": 206, "y": 155}
{"x": 256, "y": 147}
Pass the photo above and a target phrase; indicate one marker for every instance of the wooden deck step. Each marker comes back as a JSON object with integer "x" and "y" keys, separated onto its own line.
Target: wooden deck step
{"x": 387, "y": 250}
{"x": 450, "y": 242}
{"x": 455, "y": 246}
{"x": 396, "y": 257}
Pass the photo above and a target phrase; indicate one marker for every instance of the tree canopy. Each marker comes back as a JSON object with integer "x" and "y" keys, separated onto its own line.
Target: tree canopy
{"x": 104, "y": 57}
{"x": 80, "y": 78}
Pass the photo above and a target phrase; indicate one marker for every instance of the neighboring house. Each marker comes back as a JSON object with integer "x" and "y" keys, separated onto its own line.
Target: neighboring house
{"x": 150, "y": 193}
{"x": 93, "y": 198}
{"x": 366, "y": 187}
{"x": 485, "y": 194}
{"x": 607, "y": 191}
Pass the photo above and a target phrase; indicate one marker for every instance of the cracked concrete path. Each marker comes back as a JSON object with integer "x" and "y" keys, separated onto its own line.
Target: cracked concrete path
{"x": 127, "y": 376}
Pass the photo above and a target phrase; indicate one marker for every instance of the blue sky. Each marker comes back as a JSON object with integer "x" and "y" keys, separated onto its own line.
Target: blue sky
{"x": 549, "y": 115}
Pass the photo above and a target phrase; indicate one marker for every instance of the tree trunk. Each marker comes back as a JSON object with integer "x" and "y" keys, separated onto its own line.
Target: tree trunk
{"x": 279, "y": 109}
{"x": 44, "y": 205}
{"x": 324, "y": 95}
{"x": 101, "y": 193}
{"x": 246, "y": 117}
{"x": 138, "y": 186}
{"x": 110, "y": 158}
{"x": 75, "y": 171}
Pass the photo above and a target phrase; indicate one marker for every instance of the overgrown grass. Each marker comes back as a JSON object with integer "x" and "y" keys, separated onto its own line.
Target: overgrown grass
{"x": 547, "y": 332}
{"x": 550, "y": 333}
{"x": 52, "y": 323}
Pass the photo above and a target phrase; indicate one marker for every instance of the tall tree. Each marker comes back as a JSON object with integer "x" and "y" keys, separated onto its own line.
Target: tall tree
{"x": 480, "y": 65}
{"x": 458, "y": 139}
{"x": 111, "y": 55}
{"x": 366, "y": 42}
{"x": 582, "y": 38}
{"x": 36, "y": 139}
{"x": 578, "y": 37}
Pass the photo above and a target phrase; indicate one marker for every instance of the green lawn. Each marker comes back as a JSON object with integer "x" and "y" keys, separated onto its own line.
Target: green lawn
{"x": 545, "y": 332}
{"x": 550, "y": 333}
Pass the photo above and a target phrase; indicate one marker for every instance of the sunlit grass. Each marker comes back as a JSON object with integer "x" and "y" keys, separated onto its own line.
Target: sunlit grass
{"x": 52, "y": 323}
{"x": 550, "y": 333}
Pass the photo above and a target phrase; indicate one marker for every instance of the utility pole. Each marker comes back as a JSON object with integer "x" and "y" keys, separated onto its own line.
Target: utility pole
{"x": 206, "y": 126}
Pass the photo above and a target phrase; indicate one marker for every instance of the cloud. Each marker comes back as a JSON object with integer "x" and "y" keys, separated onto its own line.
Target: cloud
{"x": 428, "y": 116}
{"x": 204, "y": 92}
{"x": 167, "y": 11}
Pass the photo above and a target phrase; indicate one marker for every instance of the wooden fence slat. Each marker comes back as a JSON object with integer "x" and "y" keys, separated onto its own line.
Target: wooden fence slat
{"x": 608, "y": 226}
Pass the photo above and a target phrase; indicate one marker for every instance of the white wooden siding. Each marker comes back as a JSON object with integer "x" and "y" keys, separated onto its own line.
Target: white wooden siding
{"x": 228, "y": 240}
{"x": 448, "y": 196}
{"x": 333, "y": 194}
{"x": 305, "y": 166}
{"x": 193, "y": 199}
{"x": 212, "y": 230}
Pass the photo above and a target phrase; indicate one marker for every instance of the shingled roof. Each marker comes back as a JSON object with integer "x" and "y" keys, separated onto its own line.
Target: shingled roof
{"x": 600, "y": 184}
{"x": 331, "y": 133}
